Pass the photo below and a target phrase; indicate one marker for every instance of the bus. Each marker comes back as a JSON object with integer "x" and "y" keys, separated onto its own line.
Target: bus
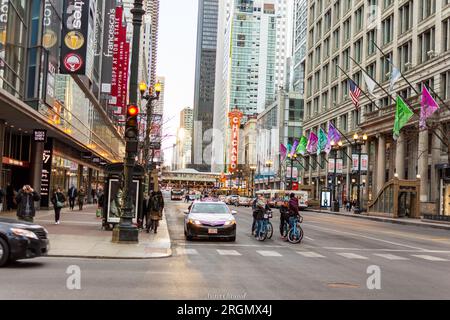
{"x": 276, "y": 197}
{"x": 176, "y": 194}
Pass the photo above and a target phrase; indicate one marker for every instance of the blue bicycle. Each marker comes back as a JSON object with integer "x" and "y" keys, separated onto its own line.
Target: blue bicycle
{"x": 295, "y": 233}
{"x": 266, "y": 228}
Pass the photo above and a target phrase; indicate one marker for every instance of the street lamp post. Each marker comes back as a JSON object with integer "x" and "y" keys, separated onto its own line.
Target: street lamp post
{"x": 359, "y": 143}
{"x": 292, "y": 157}
{"x": 268, "y": 165}
{"x": 125, "y": 231}
{"x": 334, "y": 201}
{"x": 253, "y": 169}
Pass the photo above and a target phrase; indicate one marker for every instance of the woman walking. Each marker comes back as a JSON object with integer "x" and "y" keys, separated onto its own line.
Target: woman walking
{"x": 157, "y": 206}
{"x": 81, "y": 196}
{"x": 58, "y": 200}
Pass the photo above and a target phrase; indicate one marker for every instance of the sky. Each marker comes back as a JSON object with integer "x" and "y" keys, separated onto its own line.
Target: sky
{"x": 176, "y": 62}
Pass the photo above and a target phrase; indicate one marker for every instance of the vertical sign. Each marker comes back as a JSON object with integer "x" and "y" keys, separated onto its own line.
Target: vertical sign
{"x": 4, "y": 5}
{"x": 108, "y": 45}
{"x": 339, "y": 166}
{"x": 116, "y": 59}
{"x": 355, "y": 162}
{"x": 364, "y": 163}
{"x": 74, "y": 39}
{"x": 235, "y": 117}
{"x": 123, "y": 104}
{"x": 47, "y": 156}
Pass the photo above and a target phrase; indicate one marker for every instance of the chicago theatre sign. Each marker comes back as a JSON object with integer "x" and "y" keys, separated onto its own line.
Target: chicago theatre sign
{"x": 235, "y": 117}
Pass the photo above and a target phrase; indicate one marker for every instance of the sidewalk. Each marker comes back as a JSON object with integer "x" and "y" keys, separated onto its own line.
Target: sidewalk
{"x": 404, "y": 221}
{"x": 80, "y": 235}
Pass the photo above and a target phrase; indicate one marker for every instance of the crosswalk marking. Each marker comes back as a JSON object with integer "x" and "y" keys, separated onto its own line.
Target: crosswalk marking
{"x": 228, "y": 253}
{"x": 186, "y": 251}
{"x": 269, "y": 253}
{"x": 430, "y": 258}
{"x": 390, "y": 256}
{"x": 352, "y": 256}
{"x": 310, "y": 254}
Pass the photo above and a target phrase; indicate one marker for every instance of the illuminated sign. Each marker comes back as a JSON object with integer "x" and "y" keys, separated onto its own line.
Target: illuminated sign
{"x": 235, "y": 123}
{"x": 39, "y": 135}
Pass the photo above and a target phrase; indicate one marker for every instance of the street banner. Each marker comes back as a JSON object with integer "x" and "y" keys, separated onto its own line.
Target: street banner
{"x": 235, "y": 117}
{"x": 301, "y": 149}
{"x": 402, "y": 115}
{"x": 323, "y": 144}
{"x": 74, "y": 37}
{"x": 333, "y": 134}
{"x": 364, "y": 163}
{"x": 283, "y": 151}
{"x": 294, "y": 172}
{"x": 339, "y": 166}
{"x": 294, "y": 147}
{"x": 312, "y": 143}
{"x": 108, "y": 45}
{"x": 118, "y": 34}
{"x": 124, "y": 83}
{"x": 119, "y": 90}
{"x": 4, "y": 8}
{"x": 427, "y": 107}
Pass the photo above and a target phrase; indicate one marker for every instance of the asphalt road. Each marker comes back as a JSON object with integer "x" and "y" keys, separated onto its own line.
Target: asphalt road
{"x": 332, "y": 262}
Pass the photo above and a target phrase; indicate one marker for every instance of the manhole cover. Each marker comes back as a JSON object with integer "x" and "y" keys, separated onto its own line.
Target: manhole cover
{"x": 342, "y": 285}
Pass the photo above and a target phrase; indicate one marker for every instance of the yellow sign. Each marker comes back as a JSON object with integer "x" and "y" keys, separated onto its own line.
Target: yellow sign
{"x": 49, "y": 39}
{"x": 74, "y": 40}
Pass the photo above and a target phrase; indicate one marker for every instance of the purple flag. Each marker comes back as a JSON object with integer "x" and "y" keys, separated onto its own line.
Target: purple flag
{"x": 294, "y": 147}
{"x": 333, "y": 133}
{"x": 283, "y": 151}
{"x": 312, "y": 143}
{"x": 428, "y": 107}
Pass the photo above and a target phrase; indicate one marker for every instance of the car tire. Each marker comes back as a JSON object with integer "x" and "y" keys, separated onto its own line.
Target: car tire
{"x": 4, "y": 252}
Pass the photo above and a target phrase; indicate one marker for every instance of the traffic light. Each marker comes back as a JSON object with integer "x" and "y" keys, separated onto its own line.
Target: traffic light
{"x": 131, "y": 128}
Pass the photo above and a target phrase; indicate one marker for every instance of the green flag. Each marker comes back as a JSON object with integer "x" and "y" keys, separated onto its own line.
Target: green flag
{"x": 402, "y": 115}
{"x": 302, "y": 145}
{"x": 323, "y": 141}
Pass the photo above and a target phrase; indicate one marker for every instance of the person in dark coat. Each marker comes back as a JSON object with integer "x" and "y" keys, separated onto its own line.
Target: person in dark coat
{"x": 293, "y": 209}
{"x": 72, "y": 194}
{"x": 58, "y": 200}
{"x": 284, "y": 217}
{"x": 25, "y": 203}
{"x": 145, "y": 212}
{"x": 156, "y": 210}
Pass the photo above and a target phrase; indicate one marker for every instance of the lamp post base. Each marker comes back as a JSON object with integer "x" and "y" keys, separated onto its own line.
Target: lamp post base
{"x": 125, "y": 234}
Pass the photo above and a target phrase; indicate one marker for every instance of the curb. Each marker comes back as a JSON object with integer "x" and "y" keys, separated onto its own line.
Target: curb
{"x": 381, "y": 219}
{"x": 162, "y": 256}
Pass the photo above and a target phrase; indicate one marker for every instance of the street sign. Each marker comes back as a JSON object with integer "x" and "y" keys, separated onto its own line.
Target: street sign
{"x": 39, "y": 135}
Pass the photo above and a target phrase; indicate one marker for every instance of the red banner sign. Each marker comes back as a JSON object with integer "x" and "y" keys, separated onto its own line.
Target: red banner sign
{"x": 235, "y": 123}
{"x": 115, "y": 62}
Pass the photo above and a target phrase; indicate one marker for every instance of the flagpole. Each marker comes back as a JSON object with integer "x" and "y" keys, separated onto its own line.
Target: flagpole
{"x": 311, "y": 156}
{"x": 368, "y": 97}
{"x": 405, "y": 100}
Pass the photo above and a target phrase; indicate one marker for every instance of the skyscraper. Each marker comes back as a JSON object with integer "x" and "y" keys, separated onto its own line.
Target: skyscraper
{"x": 153, "y": 11}
{"x": 205, "y": 68}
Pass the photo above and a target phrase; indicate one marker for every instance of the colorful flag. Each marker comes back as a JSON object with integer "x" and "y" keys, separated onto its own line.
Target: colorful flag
{"x": 395, "y": 76}
{"x": 333, "y": 133}
{"x": 311, "y": 147}
{"x": 402, "y": 115}
{"x": 355, "y": 92}
{"x": 283, "y": 151}
{"x": 370, "y": 84}
{"x": 428, "y": 107}
{"x": 294, "y": 147}
{"x": 301, "y": 149}
{"x": 323, "y": 141}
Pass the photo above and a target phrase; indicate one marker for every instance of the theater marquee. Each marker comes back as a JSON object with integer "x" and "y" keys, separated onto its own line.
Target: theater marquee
{"x": 235, "y": 117}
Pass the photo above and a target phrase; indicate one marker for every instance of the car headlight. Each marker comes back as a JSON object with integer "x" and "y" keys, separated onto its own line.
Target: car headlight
{"x": 24, "y": 233}
{"x": 230, "y": 222}
{"x": 191, "y": 221}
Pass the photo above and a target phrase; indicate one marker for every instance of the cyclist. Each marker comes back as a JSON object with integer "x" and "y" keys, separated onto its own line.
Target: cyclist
{"x": 284, "y": 216}
{"x": 260, "y": 210}
{"x": 293, "y": 209}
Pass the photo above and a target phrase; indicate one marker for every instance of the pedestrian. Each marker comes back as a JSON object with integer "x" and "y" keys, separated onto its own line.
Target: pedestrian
{"x": 9, "y": 197}
{"x": 72, "y": 193}
{"x": 156, "y": 210}
{"x": 58, "y": 199}
{"x": 186, "y": 198}
{"x": 100, "y": 202}
{"x": 2, "y": 195}
{"x": 25, "y": 203}
{"x": 293, "y": 209}
{"x": 284, "y": 219}
{"x": 94, "y": 195}
{"x": 81, "y": 197}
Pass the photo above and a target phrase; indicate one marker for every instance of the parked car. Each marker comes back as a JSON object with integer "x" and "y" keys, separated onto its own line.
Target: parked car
{"x": 210, "y": 220}
{"x": 244, "y": 201}
{"x": 21, "y": 240}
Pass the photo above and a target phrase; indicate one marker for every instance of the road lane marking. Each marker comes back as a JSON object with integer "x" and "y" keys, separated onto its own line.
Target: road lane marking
{"x": 311, "y": 239}
{"x": 390, "y": 256}
{"x": 310, "y": 254}
{"x": 227, "y": 245}
{"x": 183, "y": 251}
{"x": 228, "y": 253}
{"x": 349, "y": 255}
{"x": 429, "y": 258}
{"x": 265, "y": 253}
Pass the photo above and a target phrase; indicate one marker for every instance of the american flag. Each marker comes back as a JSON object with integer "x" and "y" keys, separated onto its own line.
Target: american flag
{"x": 355, "y": 92}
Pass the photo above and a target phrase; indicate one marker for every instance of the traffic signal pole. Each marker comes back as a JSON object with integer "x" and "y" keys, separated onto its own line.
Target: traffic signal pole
{"x": 125, "y": 231}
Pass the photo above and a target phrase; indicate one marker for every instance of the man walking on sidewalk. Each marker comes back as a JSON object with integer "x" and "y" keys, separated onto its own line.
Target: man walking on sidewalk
{"x": 25, "y": 203}
{"x": 72, "y": 194}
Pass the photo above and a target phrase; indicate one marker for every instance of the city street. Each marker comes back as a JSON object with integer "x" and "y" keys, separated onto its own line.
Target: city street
{"x": 331, "y": 263}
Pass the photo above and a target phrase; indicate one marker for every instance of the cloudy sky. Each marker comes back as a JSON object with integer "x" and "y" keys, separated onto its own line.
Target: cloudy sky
{"x": 176, "y": 62}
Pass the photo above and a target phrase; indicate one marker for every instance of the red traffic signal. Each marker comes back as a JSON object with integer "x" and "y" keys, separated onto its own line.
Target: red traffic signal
{"x": 132, "y": 110}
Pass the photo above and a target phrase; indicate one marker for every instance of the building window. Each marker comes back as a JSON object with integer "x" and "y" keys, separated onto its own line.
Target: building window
{"x": 309, "y": 92}
{"x": 334, "y": 65}
{"x": 316, "y": 106}
{"x": 346, "y": 59}
{"x": 325, "y": 75}
{"x": 311, "y": 13}
{"x": 345, "y": 90}
{"x": 317, "y": 81}
{"x": 371, "y": 39}
{"x": 357, "y": 78}
{"x": 311, "y": 38}
{"x": 347, "y": 31}
{"x": 386, "y": 67}
{"x": 343, "y": 123}
{"x": 308, "y": 109}
{"x": 406, "y": 17}
{"x": 317, "y": 54}
{"x": 358, "y": 50}
{"x": 426, "y": 45}
{"x": 325, "y": 101}
{"x": 388, "y": 29}
{"x": 336, "y": 42}
{"x": 405, "y": 56}
{"x": 427, "y": 8}
{"x": 445, "y": 85}
{"x": 446, "y": 35}
{"x": 359, "y": 18}
{"x": 310, "y": 62}
{"x": 318, "y": 30}
{"x": 334, "y": 96}
{"x": 326, "y": 50}
{"x": 355, "y": 119}
{"x": 327, "y": 21}
{"x": 387, "y": 3}
{"x": 336, "y": 11}
{"x": 372, "y": 70}
{"x": 347, "y": 5}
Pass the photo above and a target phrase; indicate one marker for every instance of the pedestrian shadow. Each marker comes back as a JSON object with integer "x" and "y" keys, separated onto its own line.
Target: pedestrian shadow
{"x": 23, "y": 264}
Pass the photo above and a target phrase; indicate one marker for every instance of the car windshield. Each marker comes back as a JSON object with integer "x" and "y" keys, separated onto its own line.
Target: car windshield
{"x": 209, "y": 208}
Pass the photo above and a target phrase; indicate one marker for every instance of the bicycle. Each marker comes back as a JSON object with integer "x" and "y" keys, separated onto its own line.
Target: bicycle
{"x": 295, "y": 233}
{"x": 267, "y": 227}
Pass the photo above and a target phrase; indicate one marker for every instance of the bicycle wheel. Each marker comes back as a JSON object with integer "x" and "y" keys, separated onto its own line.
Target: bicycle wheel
{"x": 285, "y": 230}
{"x": 269, "y": 229}
{"x": 294, "y": 235}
